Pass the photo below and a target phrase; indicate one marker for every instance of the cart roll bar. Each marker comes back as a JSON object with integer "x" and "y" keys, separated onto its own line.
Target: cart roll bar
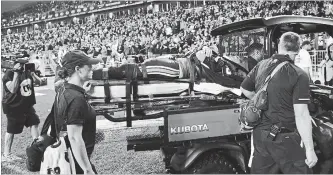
{"x": 128, "y": 97}
{"x": 144, "y": 74}
{"x": 107, "y": 92}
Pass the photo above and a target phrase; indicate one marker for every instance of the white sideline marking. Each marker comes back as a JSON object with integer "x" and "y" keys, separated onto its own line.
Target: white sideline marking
{"x": 38, "y": 94}
{"x": 106, "y": 124}
{"x": 41, "y": 88}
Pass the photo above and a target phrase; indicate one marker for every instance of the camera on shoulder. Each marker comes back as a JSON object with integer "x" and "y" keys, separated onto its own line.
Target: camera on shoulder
{"x": 29, "y": 67}
{"x": 25, "y": 65}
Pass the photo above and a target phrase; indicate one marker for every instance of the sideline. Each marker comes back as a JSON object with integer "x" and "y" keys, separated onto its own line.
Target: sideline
{"x": 108, "y": 125}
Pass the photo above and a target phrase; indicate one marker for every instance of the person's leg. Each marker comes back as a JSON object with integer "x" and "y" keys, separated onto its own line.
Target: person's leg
{"x": 262, "y": 162}
{"x": 34, "y": 131}
{"x": 289, "y": 154}
{"x": 32, "y": 121}
{"x": 14, "y": 126}
{"x": 8, "y": 143}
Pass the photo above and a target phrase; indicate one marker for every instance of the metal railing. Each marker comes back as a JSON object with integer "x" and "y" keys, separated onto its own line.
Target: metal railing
{"x": 317, "y": 57}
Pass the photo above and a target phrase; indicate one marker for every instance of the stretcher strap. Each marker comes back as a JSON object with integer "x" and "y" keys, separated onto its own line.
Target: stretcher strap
{"x": 144, "y": 74}
{"x": 107, "y": 93}
{"x": 135, "y": 90}
{"x": 192, "y": 76}
{"x": 128, "y": 103}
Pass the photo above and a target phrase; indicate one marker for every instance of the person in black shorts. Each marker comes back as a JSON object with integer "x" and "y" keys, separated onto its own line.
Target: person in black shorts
{"x": 17, "y": 103}
{"x": 291, "y": 151}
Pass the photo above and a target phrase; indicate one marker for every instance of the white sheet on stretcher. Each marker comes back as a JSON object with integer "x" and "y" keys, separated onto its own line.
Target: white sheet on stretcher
{"x": 164, "y": 88}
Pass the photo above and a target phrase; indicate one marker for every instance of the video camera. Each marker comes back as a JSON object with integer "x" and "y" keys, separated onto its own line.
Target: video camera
{"x": 25, "y": 66}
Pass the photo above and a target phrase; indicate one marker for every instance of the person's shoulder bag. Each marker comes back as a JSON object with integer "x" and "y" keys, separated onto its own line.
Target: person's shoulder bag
{"x": 58, "y": 158}
{"x": 251, "y": 110}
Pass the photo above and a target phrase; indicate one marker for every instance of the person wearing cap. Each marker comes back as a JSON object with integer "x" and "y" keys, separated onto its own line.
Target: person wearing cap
{"x": 255, "y": 54}
{"x": 327, "y": 64}
{"x": 80, "y": 124}
{"x": 303, "y": 59}
{"x": 291, "y": 150}
{"x": 18, "y": 101}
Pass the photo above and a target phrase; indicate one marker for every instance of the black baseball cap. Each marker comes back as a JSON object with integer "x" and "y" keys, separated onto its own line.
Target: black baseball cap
{"x": 76, "y": 57}
{"x": 254, "y": 46}
{"x": 306, "y": 42}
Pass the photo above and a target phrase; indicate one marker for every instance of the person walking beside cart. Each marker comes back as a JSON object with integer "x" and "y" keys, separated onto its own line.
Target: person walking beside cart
{"x": 79, "y": 117}
{"x": 283, "y": 138}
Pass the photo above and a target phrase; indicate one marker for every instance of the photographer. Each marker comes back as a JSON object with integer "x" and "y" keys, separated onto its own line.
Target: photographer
{"x": 18, "y": 100}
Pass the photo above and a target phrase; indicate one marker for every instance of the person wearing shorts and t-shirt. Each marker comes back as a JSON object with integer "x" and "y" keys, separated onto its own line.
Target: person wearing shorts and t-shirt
{"x": 18, "y": 100}
{"x": 303, "y": 59}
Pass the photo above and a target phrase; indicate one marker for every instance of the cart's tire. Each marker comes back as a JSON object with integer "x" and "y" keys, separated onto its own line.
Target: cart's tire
{"x": 212, "y": 162}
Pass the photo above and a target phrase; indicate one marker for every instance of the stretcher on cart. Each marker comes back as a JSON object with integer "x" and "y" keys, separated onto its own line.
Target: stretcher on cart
{"x": 147, "y": 98}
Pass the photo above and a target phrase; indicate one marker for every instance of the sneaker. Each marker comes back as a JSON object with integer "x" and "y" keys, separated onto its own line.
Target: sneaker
{"x": 6, "y": 158}
{"x": 14, "y": 157}
{"x": 9, "y": 158}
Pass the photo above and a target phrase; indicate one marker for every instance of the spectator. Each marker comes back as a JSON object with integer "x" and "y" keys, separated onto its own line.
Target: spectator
{"x": 303, "y": 59}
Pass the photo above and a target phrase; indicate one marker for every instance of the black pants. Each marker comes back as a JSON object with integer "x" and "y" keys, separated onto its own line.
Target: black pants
{"x": 285, "y": 154}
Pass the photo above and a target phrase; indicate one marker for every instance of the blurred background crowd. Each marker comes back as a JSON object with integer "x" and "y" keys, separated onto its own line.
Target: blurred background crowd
{"x": 170, "y": 29}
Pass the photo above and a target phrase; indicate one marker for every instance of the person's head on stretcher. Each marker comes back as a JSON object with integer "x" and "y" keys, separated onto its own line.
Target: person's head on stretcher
{"x": 76, "y": 67}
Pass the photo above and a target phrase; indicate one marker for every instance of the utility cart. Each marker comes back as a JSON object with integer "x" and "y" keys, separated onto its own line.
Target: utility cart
{"x": 201, "y": 131}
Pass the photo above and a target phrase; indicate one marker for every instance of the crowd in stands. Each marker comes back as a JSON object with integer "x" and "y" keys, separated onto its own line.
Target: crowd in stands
{"x": 41, "y": 8}
{"x": 174, "y": 31}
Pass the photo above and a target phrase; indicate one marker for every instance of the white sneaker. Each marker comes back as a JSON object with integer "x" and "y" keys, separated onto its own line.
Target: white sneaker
{"x": 9, "y": 158}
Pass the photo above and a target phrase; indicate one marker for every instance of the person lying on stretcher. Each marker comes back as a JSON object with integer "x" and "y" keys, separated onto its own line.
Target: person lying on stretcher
{"x": 203, "y": 64}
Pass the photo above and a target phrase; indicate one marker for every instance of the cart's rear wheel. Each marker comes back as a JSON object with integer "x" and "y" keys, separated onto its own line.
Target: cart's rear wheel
{"x": 213, "y": 162}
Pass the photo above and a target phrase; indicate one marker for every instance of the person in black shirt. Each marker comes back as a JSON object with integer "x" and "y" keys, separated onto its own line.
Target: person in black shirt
{"x": 17, "y": 104}
{"x": 292, "y": 150}
{"x": 80, "y": 117}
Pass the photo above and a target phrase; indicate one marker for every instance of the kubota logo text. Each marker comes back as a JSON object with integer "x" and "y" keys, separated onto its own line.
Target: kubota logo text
{"x": 188, "y": 129}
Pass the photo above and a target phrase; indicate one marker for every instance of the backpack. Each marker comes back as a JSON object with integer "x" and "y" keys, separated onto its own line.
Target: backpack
{"x": 36, "y": 150}
{"x": 58, "y": 157}
{"x": 250, "y": 111}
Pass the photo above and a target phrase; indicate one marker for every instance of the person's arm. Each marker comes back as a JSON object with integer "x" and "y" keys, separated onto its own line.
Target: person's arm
{"x": 36, "y": 78}
{"x": 301, "y": 98}
{"x": 79, "y": 148}
{"x": 248, "y": 94}
{"x": 248, "y": 84}
{"x": 77, "y": 113}
{"x": 308, "y": 65}
{"x": 13, "y": 84}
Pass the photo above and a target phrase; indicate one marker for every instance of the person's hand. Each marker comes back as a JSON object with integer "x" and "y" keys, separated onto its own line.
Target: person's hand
{"x": 89, "y": 172}
{"x": 17, "y": 67}
{"x": 87, "y": 86}
{"x": 311, "y": 158}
